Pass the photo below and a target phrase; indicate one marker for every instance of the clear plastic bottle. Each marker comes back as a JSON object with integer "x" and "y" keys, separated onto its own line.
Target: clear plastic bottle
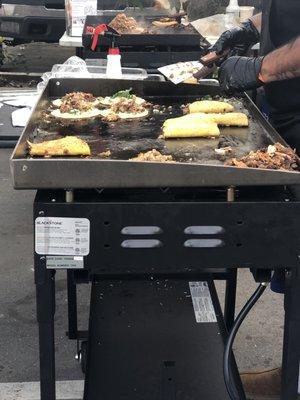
{"x": 233, "y": 8}
{"x": 114, "y": 68}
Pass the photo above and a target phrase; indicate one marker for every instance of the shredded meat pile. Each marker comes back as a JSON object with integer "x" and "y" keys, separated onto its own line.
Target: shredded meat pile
{"x": 124, "y": 105}
{"x": 123, "y": 24}
{"x": 77, "y": 101}
{"x": 273, "y": 157}
{"x": 111, "y": 117}
{"x": 153, "y": 155}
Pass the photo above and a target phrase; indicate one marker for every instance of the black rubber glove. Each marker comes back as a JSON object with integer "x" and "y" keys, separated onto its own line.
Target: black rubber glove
{"x": 238, "y": 39}
{"x": 238, "y": 74}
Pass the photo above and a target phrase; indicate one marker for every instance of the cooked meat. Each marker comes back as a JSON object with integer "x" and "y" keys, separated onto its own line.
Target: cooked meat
{"x": 171, "y": 27}
{"x": 223, "y": 151}
{"x": 273, "y": 157}
{"x": 110, "y": 117}
{"x": 77, "y": 101}
{"x": 105, "y": 154}
{"x": 125, "y": 105}
{"x": 67, "y": 146}
{"x": 153, "y": 155}
{"x": 123, "y": 24}
{"x": 165, "y": 23}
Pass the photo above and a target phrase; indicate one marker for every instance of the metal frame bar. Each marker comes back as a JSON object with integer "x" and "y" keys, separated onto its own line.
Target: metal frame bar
{"x": 230, "y": 298}
{"x": 291, "y": 341}
{"x": 45, "y": 298}
{"x": 72, "y": 305}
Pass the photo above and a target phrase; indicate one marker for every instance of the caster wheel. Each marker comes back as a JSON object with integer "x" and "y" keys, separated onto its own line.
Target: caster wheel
{"x": 83, "y": 355}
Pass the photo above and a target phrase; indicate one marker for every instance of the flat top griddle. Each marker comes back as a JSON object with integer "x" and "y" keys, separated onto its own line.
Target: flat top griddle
{"x": 181, "y": 35}
{"x": 196, "y": 161}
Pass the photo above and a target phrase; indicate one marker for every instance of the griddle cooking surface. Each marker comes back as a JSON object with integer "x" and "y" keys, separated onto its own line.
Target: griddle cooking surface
{"x": 126, "y": 139}
{"x": 177, "y": 36}
{"x": 197, "y": 163}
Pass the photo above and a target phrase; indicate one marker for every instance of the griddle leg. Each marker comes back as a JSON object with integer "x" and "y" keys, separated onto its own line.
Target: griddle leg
{"x": 230, "y": 299}
{"x": 291, "y": 343}
{"x": 72, "y": 306}
{"x": 45, "y": 297}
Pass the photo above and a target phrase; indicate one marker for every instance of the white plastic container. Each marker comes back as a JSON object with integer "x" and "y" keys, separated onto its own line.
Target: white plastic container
{"x": 114, "y": 68}
{"x": 76, "y": 12}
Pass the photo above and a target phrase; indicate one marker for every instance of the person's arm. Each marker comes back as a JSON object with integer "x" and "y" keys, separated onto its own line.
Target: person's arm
{"x": 256, "y": 21}
{"x": 239, "y": 39}
{"x": 237, "y": 74}
{"x": 282, "y": 63}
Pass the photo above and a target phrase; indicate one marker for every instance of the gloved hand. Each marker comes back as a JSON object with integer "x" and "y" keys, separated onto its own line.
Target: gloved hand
{"x": 238, "y": 39}
{"x": 238, "y": 74}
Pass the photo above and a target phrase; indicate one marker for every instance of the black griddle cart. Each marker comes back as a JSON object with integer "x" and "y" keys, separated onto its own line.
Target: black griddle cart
{"x": 152, "y": 238}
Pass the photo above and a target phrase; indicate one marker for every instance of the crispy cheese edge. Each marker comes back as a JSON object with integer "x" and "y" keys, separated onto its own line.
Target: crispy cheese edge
{"x": 210, "y": 106}
{"x": 230, "y": 119}
{"x": 68, "y": 146}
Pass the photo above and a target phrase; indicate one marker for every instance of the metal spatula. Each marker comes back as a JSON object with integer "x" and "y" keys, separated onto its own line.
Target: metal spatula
{"x": 180, "y": 72}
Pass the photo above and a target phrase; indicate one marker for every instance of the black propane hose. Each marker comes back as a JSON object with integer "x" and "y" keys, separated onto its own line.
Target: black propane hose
{"x": 231, "y": 386}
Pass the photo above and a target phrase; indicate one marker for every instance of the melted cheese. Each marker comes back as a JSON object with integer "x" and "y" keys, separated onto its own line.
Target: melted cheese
{"x": 94, "y": 112}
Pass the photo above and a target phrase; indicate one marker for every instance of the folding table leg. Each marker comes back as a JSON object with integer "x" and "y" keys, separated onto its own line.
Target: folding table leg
{"x": 45, "y": 297}
{"x": 291, "y": 344}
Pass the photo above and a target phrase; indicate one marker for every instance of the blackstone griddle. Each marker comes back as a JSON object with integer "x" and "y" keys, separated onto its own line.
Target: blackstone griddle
{"x": 147, "y": 50}
{"x": 172, "y": 36}
{"x": 196, "y": 161}
{"x": 152, "y": 238}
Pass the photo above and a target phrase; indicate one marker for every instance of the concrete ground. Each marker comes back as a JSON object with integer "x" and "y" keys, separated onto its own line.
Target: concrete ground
{"x": 258, "y": 344}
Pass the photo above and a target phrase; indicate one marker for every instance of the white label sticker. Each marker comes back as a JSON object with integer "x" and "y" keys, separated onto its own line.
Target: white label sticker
{"x": 64, "y": 262}
{"x": 62, "y": 236}
{"x": 203, "y": 306}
